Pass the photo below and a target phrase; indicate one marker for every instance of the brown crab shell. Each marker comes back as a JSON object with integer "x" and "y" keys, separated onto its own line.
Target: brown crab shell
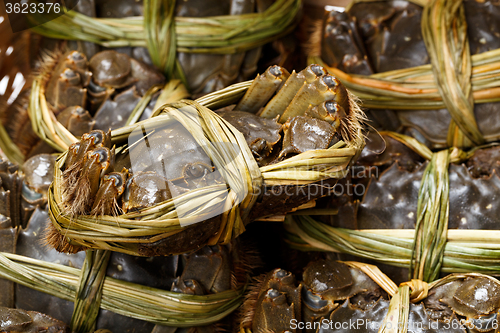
{"x": 17, "y": 320}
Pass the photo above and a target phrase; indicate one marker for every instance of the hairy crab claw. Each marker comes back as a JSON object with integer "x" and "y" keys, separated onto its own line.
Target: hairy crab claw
{"x": 313, "y": 105}
{"x": 324, "y": 88}
{"x": 110, "y": 190}
{"x": 273, "y": 310}
{"x": 96, "y": 163}
{"x": 293, "y": 84}
{"x": 262, "y": 88}
{"x": 67, "y": 81}
{"x": 329, "y": 111}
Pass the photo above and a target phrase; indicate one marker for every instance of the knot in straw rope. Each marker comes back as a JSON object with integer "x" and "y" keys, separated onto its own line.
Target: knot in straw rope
{"x": 159, "y": 26}
{"x": 228, "y": 150}
{"x": 419, "y": 289}
{"x": 444, "y": 31}
{"x": 432, "y": 219}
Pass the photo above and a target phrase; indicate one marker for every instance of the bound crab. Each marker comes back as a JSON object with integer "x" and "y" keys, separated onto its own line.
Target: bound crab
{"x": 210, "y": 270}
{"x": 280, "y": 115}
{"x": 341, "y": 297}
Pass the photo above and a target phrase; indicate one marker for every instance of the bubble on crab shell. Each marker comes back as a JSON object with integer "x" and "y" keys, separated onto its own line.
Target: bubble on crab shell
{"x": 273, "y": 293}
{"x": 312, "y": 300}
{"x": 39, "y": 172}
{"x": 170, "y": 150}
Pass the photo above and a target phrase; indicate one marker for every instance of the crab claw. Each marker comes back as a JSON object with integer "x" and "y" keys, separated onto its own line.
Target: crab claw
{"x": 262, "y": 89}
{"x": 77, "y": 120}
{"x": 322, "y": 89}
{"x": 329, "y": 111}
{"x": 96, "y": 163}
{"x": 285, "y": 95}
{"x": 111, "y": 189}
{"x": 274, "y": 313}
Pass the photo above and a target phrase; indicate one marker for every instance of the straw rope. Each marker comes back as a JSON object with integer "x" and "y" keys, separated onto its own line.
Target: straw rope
{"x": 164, "y": 35}
{"x": 128, "y": 299}
{"x": 230, "y": 153}
{"x": 432, "y": 219}
{"x": 444, "y": 30}
{"x": 89, "y": 294}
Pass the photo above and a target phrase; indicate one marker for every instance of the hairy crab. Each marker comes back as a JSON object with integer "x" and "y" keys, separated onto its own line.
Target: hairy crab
{"x": 339, "y": 297}
{"x": 278, "y": 301}
{"x": 383, "y": 190}
{"x": 163, "y": 161}
{"x": 209, "y": 270}
{"x": 375, "y": 37}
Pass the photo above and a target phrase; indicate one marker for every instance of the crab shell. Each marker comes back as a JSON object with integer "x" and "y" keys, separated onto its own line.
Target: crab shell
{"x": 261, "y": 134}
{"x": 17, "y": 320}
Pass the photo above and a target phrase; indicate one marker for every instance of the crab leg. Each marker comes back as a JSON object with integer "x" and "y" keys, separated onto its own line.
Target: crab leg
{"x": 329, "y": 111}
{"x": 111, "y": 189}
{"x": 322, "y": 89}
{"x": 262, "y": 88}
{"x": 295, "y": 81}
